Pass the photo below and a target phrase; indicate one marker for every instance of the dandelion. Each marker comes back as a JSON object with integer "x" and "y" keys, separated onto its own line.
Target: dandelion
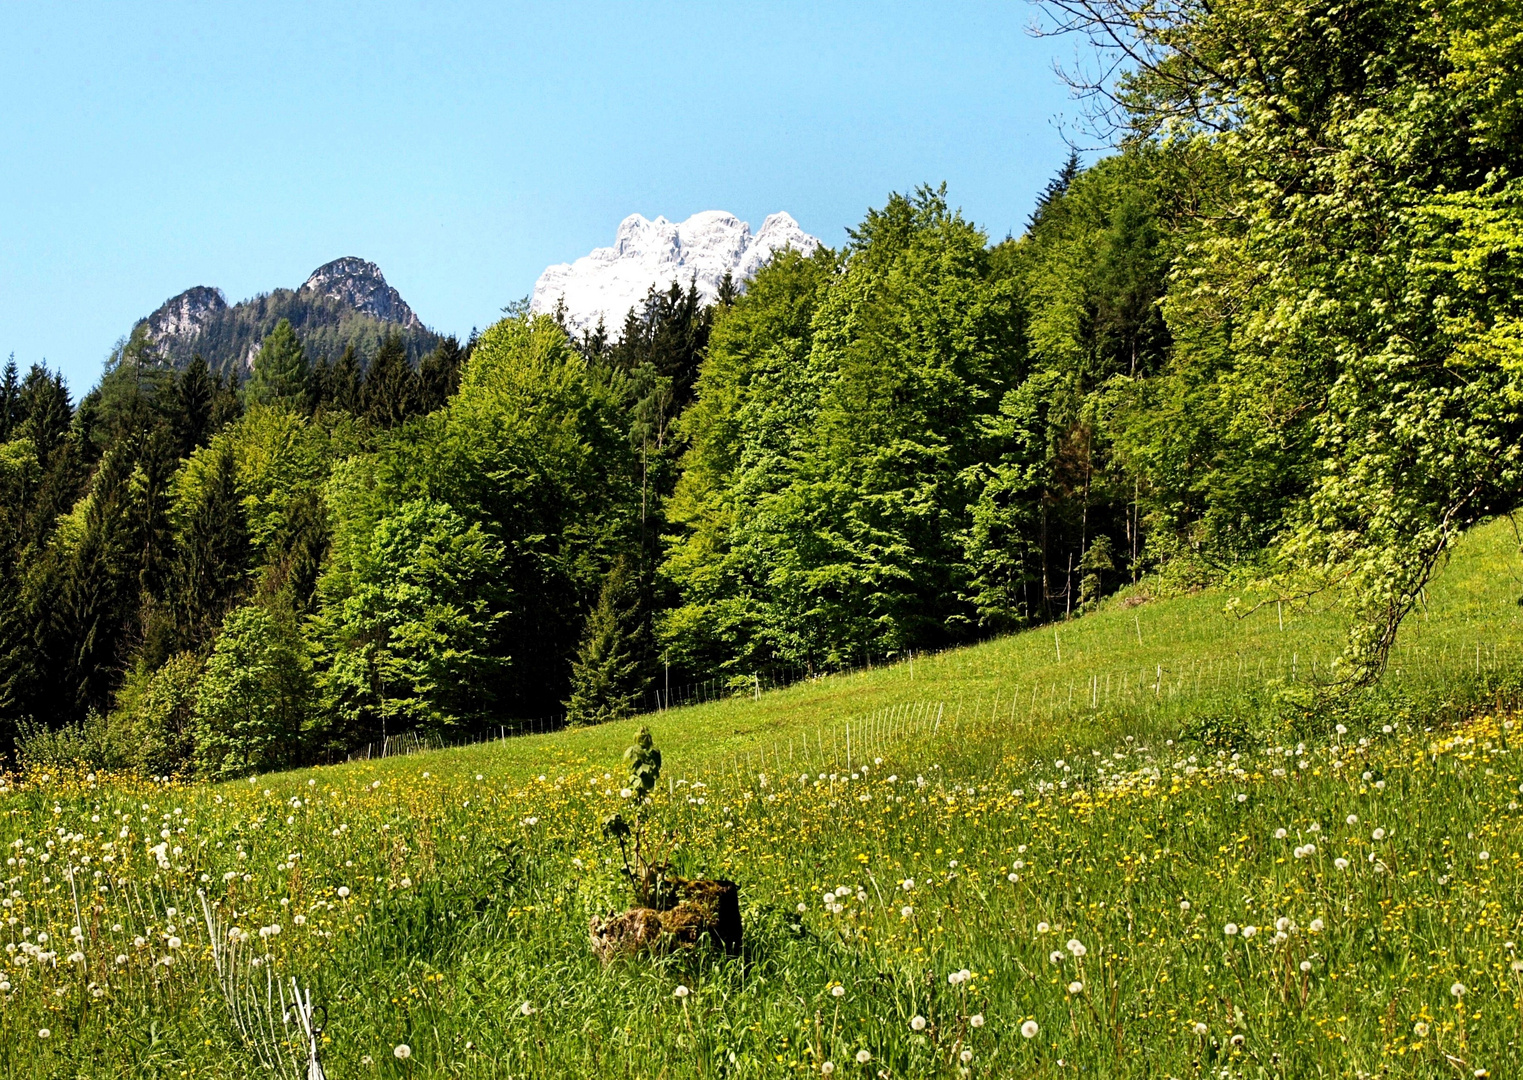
{"x": 976, "y": 1020}
{"x": 1042, "y": 928}
{"x": 965, "y": 1057}
{"x": 1056, "y": 956}
{"x": 906, "y": 911}
{"x": 1076, "y": 947}
{"x": 1378, "y": 834}
{"x": 1184, "y": 905}
{"x": 401, "y": 1052}
{"x": 838, "y": 991}
{"x": 43, "y": 1033}
{"x": 1352, "y": 819}
{"x": 907, "y": 884}
{"x": 681, "y": 992}
{"x": 174, "y": 942}
{"x": 863, "y": 1057}
{"x": 1029, "y": 1029}
{"x": 1249, "y": 931}
{"x": 1238, "y": 1040}
{"x": 1420, "y": 1029}
{"x": 1484, "y": 856}
{"x": 1075, "y": 987}
{"x": 1458, "y": 990}
{"x": 1316, "y": 926}
{"x": 1305, "y": 966}
{"x": 1199, "y": 1028}
{"x": 1012, "y": 877}
{"x": 917, "y": 1023}
{"x": 1340, "y": 863}
{"x": 1280, "y": 834}
{"x": 827, "y": 1068}
{"x": 527, "y": 1009}
{"x": 1230, "y": 929}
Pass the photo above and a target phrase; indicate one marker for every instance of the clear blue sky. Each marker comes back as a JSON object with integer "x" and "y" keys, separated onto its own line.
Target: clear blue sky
{"x": 146, "y": 148}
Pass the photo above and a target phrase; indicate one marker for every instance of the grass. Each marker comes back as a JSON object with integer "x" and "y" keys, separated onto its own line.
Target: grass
{"x": 1079, "y": 855}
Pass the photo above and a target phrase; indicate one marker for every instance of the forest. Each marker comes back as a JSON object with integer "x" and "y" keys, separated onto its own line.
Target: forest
{"x": 1276, "y": 335}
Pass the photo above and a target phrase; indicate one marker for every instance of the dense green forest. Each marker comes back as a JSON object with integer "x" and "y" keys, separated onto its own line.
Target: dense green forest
{"x": 1276, "y": 335}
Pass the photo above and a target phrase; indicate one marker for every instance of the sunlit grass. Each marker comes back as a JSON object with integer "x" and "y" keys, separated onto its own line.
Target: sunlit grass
{"x": 440, "y": 901}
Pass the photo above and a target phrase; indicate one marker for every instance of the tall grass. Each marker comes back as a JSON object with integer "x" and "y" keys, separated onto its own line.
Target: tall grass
{"x": 984, "y": 819}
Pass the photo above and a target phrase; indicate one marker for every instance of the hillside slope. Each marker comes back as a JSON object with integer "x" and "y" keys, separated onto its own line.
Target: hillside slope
{"x": 1129, "y": 668}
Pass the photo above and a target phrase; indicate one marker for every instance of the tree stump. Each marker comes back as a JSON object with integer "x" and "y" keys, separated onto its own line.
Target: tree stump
{"x": 704, "y": 910}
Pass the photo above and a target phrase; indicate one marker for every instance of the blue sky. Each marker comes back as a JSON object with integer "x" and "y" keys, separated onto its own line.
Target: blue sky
{"x": 146, "y": 148}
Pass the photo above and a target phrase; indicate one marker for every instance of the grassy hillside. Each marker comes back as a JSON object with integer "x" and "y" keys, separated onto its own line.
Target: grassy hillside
{"x": 1157, "y": 873}
{"x": 1131, "y": 668}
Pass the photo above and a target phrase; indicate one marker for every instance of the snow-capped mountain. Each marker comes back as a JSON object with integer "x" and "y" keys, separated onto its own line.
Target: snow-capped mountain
{"x": 611, "y": 280}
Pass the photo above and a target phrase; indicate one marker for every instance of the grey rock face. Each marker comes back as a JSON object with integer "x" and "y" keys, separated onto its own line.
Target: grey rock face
{"x": 186, "y": 315}
{"x": 359, "y": 284}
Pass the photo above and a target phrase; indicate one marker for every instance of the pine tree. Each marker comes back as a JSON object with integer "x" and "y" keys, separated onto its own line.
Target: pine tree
{"x": 281, "y": 373}
{"x": 390, "y": 393}
{"x": 608, "y": 675}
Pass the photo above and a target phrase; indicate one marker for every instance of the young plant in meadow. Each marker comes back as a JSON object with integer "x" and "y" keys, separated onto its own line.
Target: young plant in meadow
{"x": 647, "y": 873}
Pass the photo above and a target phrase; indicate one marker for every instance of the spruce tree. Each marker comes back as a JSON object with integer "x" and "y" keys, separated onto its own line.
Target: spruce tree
{"x": 1056, "y": 188}
{"x": 608, "y": 675}
{"x": 194, "y": 391}
{"x": 10, "y": 400}
{"x": 212, "y": 551}
{"x": 439, "y": 375}
{"x": 390, "y": 393}
{"x": 344, "y": 381}
{"x": 281, "y": 373}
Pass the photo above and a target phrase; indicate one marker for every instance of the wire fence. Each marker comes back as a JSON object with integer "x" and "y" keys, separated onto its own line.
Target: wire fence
{"x": 1144, "y": 690}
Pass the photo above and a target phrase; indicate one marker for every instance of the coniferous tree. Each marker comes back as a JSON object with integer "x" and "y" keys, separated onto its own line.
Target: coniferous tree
{"x": 344, "y": 383}
{"x": 609, "y": 675}
{"x": 390, "y": 391}
{"x": 211, "y": 551}
{"x": 281, "y": 373}
{"x": 10, "y": 400}
{"x": 439, "y": 375}
{"x": 194, "y": 394}
{"x": 1055, "y": 189}
{"x": 227, "y": 402}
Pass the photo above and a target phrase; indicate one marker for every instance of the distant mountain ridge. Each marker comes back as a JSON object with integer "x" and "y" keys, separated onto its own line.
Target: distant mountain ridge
{"x": 609, "y": 281}
{"x": 344, "y": 302}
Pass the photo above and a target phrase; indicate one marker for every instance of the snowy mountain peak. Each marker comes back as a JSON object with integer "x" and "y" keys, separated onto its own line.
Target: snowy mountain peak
{"x": 609, "y": 281}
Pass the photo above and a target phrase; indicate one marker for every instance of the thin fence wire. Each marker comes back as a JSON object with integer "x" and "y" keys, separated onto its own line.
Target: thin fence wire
{"x": 1145, "y": 689}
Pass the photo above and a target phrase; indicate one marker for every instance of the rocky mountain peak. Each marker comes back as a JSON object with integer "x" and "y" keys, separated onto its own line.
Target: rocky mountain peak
{"x": 609, "y": 281}
{"x": 186, "y": 315}
{"x": 359, "y": 284}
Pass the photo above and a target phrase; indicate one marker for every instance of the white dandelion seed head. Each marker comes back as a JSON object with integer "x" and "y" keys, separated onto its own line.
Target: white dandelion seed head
{"x": 681, "y": 992}
{"x": 1029, "y": 1029}
{"x": 863, "y": 1057}
{"x": 838, "y": 991}
{"x": 917, "y": 1023}
{"x": 401, "y": 1052}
